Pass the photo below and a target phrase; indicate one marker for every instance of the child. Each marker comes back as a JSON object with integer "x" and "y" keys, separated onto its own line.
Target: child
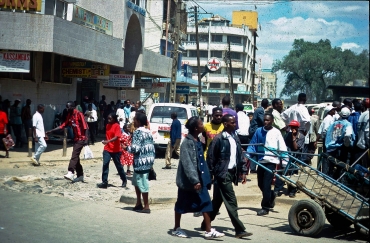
{"x": 126, "y": 157}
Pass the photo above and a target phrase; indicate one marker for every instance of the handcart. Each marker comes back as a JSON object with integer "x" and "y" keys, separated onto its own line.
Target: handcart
{"x": 329, "y": 199}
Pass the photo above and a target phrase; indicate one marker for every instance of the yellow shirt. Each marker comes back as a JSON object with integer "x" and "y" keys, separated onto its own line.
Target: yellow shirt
{"x": 211, "y": 131}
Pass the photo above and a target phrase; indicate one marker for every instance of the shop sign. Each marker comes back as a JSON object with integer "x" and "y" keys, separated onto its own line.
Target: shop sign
{"x": 29, "y": 5}
{"x": 120, "y": 80}
{"x": 157, "y": 88}
{"x": 182, "y": 89}
{"x": 136, "y": 8}
{"x": 213, "y": 64}
{"x": 91, "y": 20}
{"x": 76, "y": 69}
{"x": 15, "y": 62}
{"x": 100, "y": 71}
{"x": 144, "y": 83}
{"x": 188, "y": 72}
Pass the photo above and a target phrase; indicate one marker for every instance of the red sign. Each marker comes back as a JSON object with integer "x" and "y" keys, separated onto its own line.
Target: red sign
{"x": 213, "y": 64}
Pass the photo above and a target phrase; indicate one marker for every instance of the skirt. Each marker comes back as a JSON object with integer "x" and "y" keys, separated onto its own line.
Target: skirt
{"x": 192, "y": 201}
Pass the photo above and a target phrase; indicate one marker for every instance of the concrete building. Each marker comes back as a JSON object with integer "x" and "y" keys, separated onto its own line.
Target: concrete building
{"x": 266, "y": 83}
{"x": 52, "y": 51}
{"x": 214, "y": 34}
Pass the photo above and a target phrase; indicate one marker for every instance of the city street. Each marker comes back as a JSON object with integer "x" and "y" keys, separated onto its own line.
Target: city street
{"x": 40, "y": 218}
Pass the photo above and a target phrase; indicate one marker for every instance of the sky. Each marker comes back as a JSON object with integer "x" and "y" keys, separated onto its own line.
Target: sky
{"x": 344, "y": 23}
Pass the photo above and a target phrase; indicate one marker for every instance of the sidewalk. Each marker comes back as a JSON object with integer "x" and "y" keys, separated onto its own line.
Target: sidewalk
{"x": 162, "y": 191}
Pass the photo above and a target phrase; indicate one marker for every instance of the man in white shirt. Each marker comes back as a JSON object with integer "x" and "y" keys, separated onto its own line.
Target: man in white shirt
{"x": 38, "y": 134}
{"x": 243, "y": 124}
{"x": 279, "y": 123}
{"x": 92, "y": 118}
{"x": 328, "y": 120}
{"x": 121, "y": 117}
{"x": 209, "y": 112}
{"x": 298, "y": 112}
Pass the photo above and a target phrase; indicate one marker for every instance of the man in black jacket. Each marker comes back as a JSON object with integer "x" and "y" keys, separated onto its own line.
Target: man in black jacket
{"x": 225, "y": 162}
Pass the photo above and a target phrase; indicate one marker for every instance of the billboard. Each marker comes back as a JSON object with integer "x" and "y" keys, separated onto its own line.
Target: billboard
{"x": 15, "y": 62}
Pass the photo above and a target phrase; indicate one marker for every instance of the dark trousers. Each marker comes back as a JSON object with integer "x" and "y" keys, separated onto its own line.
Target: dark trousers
{"x": 264, "y": 179}
{"x": 116, "y": 159}
{"x": 74, "y": 163}
{"x": 244, "y": 140}
{"x": 27, "y": 126}
{"x": 92, "y": 131}
{"x": 254, "y": 165}
{"x": 17, "y": 130}
{"x": 223, "y": 192}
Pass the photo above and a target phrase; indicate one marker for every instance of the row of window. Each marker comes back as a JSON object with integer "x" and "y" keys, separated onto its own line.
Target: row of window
{"x": 218, "y": 54}
{"x": 216, "y": 38}
{"x": 236, "y": 71}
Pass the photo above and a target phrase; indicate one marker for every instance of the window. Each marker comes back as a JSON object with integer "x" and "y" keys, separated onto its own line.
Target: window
{"x": 217, "y": 72}
{"x": 215, "y": 86}
{"x": 235, "y": 39}
{"x": 237, "y": 71}
{"x": 235, "y": 55}
{"x": 235, "y": 86}
{"x": 162, "y": 114}
{"x": 202, "y": 38}
{"x": 201, "y": 53}
{"x": 218, "y": 23}
{"x": 46, "y": 67}
{"x": 216, "y": 54}
{"x": 216, "y": 38}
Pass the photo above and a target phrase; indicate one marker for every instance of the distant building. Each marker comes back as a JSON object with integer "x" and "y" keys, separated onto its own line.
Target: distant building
{"x": 266, "y": 82}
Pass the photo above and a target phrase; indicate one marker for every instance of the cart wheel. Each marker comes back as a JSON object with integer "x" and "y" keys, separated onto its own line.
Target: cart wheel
{"x": 361, "y": 231}
{"x": 306, "y": 217}
{"x": 336, "y": 220}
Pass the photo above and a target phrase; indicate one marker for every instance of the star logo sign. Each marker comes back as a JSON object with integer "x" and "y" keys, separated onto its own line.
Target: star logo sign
{"x": 213, "y": 64}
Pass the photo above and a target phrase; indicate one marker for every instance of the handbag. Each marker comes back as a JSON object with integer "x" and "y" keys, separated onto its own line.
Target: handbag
{"x": 8, "y": 142}
{"x": 152, "y": 175}
{"x": 88, "y": 154}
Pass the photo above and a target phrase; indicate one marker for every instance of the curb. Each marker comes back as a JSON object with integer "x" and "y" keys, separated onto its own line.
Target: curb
{"x": 167, "y": 200}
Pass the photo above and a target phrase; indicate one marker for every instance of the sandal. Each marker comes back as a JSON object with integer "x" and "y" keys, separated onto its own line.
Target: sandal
{"x": 129, "y": 172}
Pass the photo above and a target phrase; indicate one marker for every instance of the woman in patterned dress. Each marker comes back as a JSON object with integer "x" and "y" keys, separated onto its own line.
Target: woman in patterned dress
{"x": 126, "y": 157}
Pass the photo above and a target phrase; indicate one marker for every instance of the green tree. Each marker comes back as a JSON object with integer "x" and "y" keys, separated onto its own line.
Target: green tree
{"x": 311, "y": 67}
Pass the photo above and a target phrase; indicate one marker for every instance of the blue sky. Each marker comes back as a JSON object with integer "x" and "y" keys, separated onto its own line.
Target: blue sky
{"x": 344, "y": 23}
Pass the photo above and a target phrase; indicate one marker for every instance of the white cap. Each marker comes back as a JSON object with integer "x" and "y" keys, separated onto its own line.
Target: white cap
{"x": 345, "y": 112}
{"x": 329, "y": 108}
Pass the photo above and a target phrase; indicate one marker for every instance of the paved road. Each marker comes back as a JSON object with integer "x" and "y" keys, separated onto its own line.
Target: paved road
{"x": 41, "y": 218}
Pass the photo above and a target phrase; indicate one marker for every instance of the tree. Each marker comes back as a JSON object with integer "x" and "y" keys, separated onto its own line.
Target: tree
{"x": 311, "y": 67}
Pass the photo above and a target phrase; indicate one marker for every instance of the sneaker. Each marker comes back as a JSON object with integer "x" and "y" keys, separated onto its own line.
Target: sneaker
{"x": 179, "y": 233}
{"x": 213, "y": 234}
{"x": 262, "y": 212}
{"x": 69, "y": 176}
{"x": 243, "y": 234}
{"x": 102, "y": 185}
{"x": 167, "y": 167}
{"x": 78, "y": 179}
{"x": 197, "y": 214}
{"x": 292, "y": 195}
{"x": 35, "y": 162}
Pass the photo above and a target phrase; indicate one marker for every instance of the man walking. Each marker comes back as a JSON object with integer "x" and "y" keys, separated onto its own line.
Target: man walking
{"x": 38, "y": 134}
{"x": 212, "y": 128}
{"x": 243, "y": 125}
{"x": 175, "y": 139}
{"x": 76, "y": 120}
{"x": 224, "y": 159}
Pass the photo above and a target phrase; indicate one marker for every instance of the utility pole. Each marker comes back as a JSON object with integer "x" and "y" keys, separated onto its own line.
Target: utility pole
{"x": 199, "y": 95}
{"x": 231, "y": 83}
{"x": 253, "y": 67}
{"x": 175, "y": 56}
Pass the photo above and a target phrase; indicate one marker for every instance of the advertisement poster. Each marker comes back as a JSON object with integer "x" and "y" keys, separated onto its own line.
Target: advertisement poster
{"x": 15, "y": 62}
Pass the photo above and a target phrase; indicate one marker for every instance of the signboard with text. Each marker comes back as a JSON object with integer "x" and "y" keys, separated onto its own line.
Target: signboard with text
{"x": 182, "y": 89}
{"x": 213, "y": 64}
{"x": 76, "y": 69}
{"x": 15, "y": 62}
{"x": 91, "y": 20}
{"x": 120, "y": 80}
{"x": 28, "y": 5}
{"x": 144, "y": 83}
{"x": 157, "y": 88}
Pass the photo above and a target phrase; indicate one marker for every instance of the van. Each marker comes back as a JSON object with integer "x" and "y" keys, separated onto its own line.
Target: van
{"x": 248, "y": 108}
{"x": 159, "y": 116}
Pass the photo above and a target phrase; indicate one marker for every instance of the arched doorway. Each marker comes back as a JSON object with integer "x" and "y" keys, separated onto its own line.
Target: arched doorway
{"x": 133, "y": 43}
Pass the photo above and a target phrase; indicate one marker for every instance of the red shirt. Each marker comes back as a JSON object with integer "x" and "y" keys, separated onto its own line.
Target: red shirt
{"x": 77, "y": 121}
{"x": 113, "y": 130}
{"x": 3, "y": 121}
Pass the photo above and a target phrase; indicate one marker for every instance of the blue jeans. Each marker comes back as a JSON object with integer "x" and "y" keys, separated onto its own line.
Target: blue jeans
{"x": 116, "y": 159}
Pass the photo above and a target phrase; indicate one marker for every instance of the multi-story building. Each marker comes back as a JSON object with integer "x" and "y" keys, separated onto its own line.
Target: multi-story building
{"x": 266, "y": 83}
{"x": 52, "y": 51}
{"x": 214, "y": 35}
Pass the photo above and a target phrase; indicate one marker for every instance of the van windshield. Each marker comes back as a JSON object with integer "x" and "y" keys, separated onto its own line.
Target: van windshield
{"x": 162, "y": 114}
{"x": 248, "y": 107}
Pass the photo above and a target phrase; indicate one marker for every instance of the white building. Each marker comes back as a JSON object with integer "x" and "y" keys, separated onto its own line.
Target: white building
{"x": 214, "y": 34}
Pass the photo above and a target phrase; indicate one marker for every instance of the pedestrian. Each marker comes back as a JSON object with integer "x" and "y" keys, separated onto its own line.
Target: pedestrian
{"x": 127, "y": 109}
{"x": 227, "y": 110}
{"x": 193, "y": 180}
{"x": 142, "y": 147}
{"x": 140, "y": 106}
{"x": 257, "y": 122}
{"x": 243, "y": 124}
{"x": 92, "y": 120}
{"x": 4, "y": 131}
{"x": 38, "y": 134}
{"x": 126, "y": 157}
{"x": 273, "y": 140}
{"x": 298, "y": 112}
{"x": 354, "y": 117}
{"x": 363, "y": 133}
{"x": 312, "y": 133}
{"x": 294, "y": 141}
{"x": 174, "y": 141}
{"x": 337, "y": 106}
{"x": 224, "y": 158}
{"x": 250, "y": 116}
{"x": 16, "y": 122}
{"x": 278, "y": 123}
{"x": 121, "y": 116}
{"x": 27, "y": 117}
{"x": 212, "y": 128}
{"x": 339, "y": 141}
{"x": 210, "y": 112}
{"x": 112, "y": 150}
{"x": 330, "y": 112}
{"x": 118, "y": 105}
{"x": 76, "y": 120}
{"x": 132, "y": 115}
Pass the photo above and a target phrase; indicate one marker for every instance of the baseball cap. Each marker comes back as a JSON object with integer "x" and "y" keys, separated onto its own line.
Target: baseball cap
{"x": 329, "y": 108}
{"x": 345, "y": 112}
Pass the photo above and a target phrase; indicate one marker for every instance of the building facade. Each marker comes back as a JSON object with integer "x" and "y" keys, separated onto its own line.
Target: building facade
{"x": 52, "y": 51}
{"x": 266, "y": 84}
{"x": 214, "y": 35}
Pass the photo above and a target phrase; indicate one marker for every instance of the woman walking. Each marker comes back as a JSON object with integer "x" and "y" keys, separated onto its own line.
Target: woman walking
{"x": 112, "y": 149}
{"x": 193, "y": 181}
{"x": 143, "y": 149}
{"x": 126, "y": 157}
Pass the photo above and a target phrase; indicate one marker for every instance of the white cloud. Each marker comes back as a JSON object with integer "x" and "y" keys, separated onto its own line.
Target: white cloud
{"x": 351, "y": 46}
{"x": 266, "y": 60}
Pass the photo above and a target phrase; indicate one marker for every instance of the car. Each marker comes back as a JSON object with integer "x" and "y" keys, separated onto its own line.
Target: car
{"x": 248, "y": 108}
{"x": 159, "y": 116}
